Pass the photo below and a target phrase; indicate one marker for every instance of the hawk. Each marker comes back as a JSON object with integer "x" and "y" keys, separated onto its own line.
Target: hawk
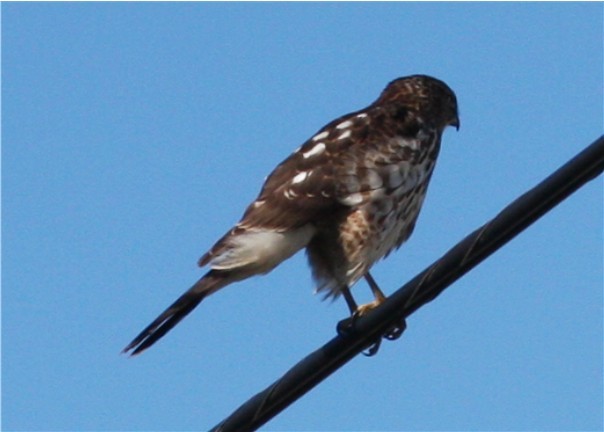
{"x": 349, "y": 195}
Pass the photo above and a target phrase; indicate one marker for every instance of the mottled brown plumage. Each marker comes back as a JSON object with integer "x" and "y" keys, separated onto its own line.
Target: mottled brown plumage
{"x": 349, "y": 195}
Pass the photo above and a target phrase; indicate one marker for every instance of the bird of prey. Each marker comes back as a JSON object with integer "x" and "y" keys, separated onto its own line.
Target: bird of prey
{"x": 349, "y": 195}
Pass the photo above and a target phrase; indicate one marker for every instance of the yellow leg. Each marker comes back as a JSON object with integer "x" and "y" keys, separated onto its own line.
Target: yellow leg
{"x": 377, "y": 294}
{"x": 352, "y": 305}
{"x": 356, "y": 311}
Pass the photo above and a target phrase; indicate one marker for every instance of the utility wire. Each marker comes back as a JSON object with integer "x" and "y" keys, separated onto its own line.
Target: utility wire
{"x": 423, "y": 288}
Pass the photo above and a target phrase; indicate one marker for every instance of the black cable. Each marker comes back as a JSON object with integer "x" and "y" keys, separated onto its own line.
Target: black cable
{"x": 422, "y": 289}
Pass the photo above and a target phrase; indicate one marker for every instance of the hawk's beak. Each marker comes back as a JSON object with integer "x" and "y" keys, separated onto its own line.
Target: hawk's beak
{"x": 455, "y": 122}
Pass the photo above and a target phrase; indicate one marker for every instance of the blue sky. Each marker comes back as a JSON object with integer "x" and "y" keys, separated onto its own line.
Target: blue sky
{"x": 134, "y": 135}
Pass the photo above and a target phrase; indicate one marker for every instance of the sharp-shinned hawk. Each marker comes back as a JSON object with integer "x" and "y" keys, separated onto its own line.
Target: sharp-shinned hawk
{"x": 349, "y": 195}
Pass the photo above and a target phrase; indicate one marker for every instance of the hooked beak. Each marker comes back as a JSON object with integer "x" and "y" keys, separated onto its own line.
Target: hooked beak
{"x": 455, "y": 122}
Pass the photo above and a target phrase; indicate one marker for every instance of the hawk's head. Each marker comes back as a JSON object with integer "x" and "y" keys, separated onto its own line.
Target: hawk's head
{"x": 427, "y": 96}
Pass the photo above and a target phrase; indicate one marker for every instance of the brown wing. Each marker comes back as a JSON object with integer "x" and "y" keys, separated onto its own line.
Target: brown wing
{"x": 343, "y": 158}
{"x": 329, "y": 173}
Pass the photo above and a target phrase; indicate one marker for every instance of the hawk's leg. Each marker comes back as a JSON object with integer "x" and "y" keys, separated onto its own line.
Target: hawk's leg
{"x": 395, "y": 331}
{"x": 377, "y": 294}
{"x": 356, "y": 311}
{"x": 345, "y": 326}
{"x": 352, "y": 305}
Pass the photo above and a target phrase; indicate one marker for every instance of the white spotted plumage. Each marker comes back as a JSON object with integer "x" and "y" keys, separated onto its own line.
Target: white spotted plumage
{"x": 300, "y": 177}
{"x": 349, "y": 195}
{"x": 320, "y": 136}
{"x": 344, "y": 135}
{"x": 344, "y": 124}
{"x": 316, "y": 150}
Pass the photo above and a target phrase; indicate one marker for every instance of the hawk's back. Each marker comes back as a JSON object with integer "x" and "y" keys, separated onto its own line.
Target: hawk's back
{"x": 352, "y": 192}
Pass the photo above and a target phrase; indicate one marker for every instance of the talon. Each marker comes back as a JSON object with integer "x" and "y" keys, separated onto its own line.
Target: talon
{"x": 396, "y": 331}
{"x": 373, "y": 349}
{"x": 345, "y": 327}
{"x": 365, "y": 308}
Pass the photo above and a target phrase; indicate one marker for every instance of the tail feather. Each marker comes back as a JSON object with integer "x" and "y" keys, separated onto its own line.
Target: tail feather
{"x": 211, "y": 282}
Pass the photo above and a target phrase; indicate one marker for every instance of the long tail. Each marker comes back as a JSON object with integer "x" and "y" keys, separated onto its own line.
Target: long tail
{"x": 208, "y": 284}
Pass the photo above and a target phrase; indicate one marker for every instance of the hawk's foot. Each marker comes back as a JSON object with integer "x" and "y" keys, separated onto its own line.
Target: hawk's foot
{"x": 367, "y": 307}
{"x": 393, "y": 333}
{"x": 373, "y": 349}
{"x": 345, "y": 326}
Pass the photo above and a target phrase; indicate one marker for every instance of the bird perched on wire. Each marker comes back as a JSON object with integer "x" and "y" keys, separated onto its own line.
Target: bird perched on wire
{"x": 349, "y": 195}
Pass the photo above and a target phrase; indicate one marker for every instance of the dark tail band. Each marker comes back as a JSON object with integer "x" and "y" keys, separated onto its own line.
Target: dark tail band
{"x": 211, "y": 282}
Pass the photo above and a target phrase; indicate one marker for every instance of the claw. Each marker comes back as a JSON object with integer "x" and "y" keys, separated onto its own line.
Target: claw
{"x": 345, "y": 327}
{"x": 396, "y": 331}
{"x": 367, "y": 307}
{"x": 373, "y": 349}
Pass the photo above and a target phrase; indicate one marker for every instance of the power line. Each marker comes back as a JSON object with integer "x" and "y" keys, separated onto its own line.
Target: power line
{"x": 422, "y": 289}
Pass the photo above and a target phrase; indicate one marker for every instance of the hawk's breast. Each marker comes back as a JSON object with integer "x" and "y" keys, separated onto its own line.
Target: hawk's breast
{"x": 386, "y": 194}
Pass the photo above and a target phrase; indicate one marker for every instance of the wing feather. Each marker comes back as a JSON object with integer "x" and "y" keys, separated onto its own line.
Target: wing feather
{"x": 332, "y": 172}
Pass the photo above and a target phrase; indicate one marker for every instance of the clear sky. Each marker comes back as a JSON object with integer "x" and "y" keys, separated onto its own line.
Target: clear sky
{"x": 134, "y": 135}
